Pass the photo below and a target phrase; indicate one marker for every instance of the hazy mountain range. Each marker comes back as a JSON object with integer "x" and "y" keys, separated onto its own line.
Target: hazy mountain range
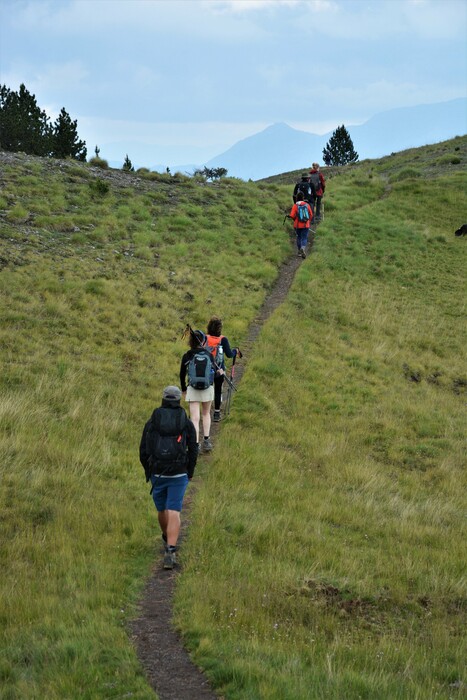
{"x": 280, "y": 148}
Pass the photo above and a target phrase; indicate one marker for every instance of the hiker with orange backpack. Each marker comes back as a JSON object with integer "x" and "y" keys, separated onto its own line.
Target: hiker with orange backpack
{"x": 220, "y": 348}
{"x": 302, "y": 215}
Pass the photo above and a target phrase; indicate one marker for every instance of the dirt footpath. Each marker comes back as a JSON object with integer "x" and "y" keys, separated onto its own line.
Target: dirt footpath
{"x": 160, "y": 649}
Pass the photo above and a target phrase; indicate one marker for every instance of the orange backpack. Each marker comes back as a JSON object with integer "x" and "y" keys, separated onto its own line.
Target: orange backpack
{"x": 213, "y": 344}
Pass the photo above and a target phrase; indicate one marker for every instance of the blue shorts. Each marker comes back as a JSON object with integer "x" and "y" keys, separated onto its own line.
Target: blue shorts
{"x": 168, "y": 491}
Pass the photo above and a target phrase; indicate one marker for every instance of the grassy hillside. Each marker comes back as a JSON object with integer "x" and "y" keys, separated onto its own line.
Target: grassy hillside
{"x": 100, "y": 273}
{"x": 324, "y": 558}
{"x": 327, "y": 550}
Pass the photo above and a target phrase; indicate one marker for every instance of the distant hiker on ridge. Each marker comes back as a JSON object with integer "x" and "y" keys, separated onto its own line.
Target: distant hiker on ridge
{"x": 319, "y": 184}
{"x": 168, "y": 453}
{"x": 302, "y": 215}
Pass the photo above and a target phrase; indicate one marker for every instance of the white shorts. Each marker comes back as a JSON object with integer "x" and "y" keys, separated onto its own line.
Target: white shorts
{"x": 202, "y": 395}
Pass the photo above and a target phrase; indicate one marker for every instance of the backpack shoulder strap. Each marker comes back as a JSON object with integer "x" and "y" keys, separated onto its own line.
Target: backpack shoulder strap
{"x": 183, "y": 419}
{"x": 156, "y": 419}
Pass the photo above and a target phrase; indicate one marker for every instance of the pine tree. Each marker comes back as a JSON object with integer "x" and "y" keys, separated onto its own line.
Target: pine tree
{"x": 65, "y": 142}
{"x": 339, "y": 149}
{"x": 127, "y": 165}
{"x": 23, "y": 125}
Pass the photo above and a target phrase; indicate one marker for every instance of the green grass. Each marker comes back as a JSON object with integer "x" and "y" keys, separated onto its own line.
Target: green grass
{"x": 96, "y": 292}
{"x": 326, "y": 547}
{"x": 330, "y": 563}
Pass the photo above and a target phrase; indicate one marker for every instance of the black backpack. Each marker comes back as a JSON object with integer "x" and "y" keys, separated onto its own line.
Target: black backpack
{"x": 201, "y": 370}
{"x": 166, "y": 442}
{"x": 315, "y": 181}
{"x": 306, "y": 189}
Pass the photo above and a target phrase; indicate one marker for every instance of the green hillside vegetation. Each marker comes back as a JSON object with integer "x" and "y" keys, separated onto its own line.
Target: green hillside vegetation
{"x": 325, "y": 555}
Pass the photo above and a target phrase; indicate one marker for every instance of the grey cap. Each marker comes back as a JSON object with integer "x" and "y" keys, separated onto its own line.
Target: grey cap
{"x": 172, "y": 393}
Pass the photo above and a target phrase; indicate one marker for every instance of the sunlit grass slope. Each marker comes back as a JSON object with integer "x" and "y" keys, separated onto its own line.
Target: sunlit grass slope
{"x": 326, "y": 554}
{"x": 100, "y": 272}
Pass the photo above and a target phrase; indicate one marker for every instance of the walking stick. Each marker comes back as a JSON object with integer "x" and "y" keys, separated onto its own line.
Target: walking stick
{"x": 230, "y": 385}
{"x": 230, "y": 388}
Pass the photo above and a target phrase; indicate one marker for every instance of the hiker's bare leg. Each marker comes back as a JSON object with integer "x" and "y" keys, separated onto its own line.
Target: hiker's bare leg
{"x": 194, "y": 415}
{"x": 206, "y": 408}
{"x": 163, "y": 520}
{"x": 173, "y": 527}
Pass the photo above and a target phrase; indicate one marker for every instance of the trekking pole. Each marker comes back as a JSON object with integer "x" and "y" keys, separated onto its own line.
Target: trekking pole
{"x": 230, "y": 384}
{"x": 227, "y": 401}
{"x": 186, "y": 330}
{"x": 228, "y": 381}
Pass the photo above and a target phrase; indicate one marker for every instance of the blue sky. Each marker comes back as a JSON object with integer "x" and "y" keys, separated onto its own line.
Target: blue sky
{"x": 180, "y": 81}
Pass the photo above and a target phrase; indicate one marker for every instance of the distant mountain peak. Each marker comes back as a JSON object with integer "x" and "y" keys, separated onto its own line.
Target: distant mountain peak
{"x": 280, "y": 148}
{"x": 278, "y": 126}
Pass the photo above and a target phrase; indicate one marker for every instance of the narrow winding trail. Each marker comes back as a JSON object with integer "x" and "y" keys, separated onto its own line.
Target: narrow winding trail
{"x": 166, "y": 662}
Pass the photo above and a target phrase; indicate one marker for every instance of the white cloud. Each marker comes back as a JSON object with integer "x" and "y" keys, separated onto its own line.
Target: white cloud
{"x": 203, "y": 18}
{"x": 361, "y": 102}
{"x": 150, "y": 18}
{"x": 159, "y": 133}
{"x": 62, "y": 75}
{"x": 377, "y": 19}
{"x": 47, "y": 78}
{"x": 238, "y": 6}
{"x": 230, "y": 67}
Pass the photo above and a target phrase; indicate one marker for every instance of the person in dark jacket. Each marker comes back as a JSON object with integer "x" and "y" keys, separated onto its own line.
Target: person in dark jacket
{"x": 220, "y": 345}
{"x": 169, "y": 472}
{"x": 319, "y": 184}
{"x": 306, "y": 187}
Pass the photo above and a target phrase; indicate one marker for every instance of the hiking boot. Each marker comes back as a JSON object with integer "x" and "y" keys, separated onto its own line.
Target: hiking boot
{"x": 207, "y": 445}
{"x": 299, "y": 253}
{"x": 303, "y": 251}
{"x": 217, "y": 416}
{"x": 170, "y": 559}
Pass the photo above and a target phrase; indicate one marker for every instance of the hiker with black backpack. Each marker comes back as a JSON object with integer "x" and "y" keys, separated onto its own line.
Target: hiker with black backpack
{"x": 168, "y": 453}
{"x": 219, "y": 347}
{"x": 306, "y": 187}
{"x": 197, "y": 382}
{"x": 319, "y": 184}
{"x": 302, "y": 215}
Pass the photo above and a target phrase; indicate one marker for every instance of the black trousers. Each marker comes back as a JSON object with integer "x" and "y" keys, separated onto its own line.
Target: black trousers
{"x": 318, "y": 207}
{"x": 218, "y": 382}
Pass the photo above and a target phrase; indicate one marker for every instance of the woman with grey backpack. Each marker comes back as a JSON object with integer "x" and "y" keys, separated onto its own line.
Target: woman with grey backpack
{"x": 197, "y": 382}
